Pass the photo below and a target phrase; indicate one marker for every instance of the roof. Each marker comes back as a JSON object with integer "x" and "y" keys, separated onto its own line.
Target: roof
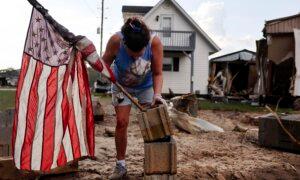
{"x": 136, "y": 9}
{"x": 188, "y": 17}
{"x": 283, "y": 18}
{"x": 282, "y": 25}
{"x": 242, "y": 55}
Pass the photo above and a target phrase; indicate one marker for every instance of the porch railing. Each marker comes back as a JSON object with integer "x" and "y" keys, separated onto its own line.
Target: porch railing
{"x": 177, "y": 40}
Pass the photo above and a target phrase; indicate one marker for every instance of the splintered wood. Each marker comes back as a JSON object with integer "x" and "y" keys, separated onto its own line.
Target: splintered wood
{"x": 154, "y": 123}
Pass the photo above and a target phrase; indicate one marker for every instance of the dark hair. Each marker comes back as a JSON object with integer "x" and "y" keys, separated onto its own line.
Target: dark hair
{"x": 136, "y": 34}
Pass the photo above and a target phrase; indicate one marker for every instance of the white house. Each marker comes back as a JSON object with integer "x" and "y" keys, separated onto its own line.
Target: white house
{"x": 186, "y": 45}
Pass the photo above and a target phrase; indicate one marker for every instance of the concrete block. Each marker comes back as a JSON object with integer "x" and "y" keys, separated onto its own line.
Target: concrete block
{"x": 272, "y": 135}
{"x": 160, "y": 158}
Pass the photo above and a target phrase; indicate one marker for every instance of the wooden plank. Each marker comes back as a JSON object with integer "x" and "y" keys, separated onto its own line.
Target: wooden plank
{"x": 162, "y": 116}
{"x": 148, "y": 136}
{"x": 168, "y": 120}
{"x": 160, "y": 158}
{"x": 9, "y": 171}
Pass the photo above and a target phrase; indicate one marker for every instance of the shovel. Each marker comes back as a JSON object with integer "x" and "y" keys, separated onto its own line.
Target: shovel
{"x": 135, "y": 102}
{"x": 154, "y": 123}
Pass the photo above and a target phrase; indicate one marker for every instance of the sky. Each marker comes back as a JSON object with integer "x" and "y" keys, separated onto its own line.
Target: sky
{"x": 232, "y": 24}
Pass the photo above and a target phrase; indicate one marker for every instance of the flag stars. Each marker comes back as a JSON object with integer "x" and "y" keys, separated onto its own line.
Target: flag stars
{"x": 43, "y": 39}
{"x": 47, "y": 58}
{"x": 38, "y": 19}
{"x": 30, "y": 49}
{"x": 41, "y": 29}
{"x": 46, "y": 49}
{"x": 51, "y": 43}
{"x": 34, "y": 34}
{"x": 55, "y": 52}
{"x": 36, "y": 44}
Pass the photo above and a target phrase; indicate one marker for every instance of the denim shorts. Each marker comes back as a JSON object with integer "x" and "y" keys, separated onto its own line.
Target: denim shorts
{"x": 144, "y": 96}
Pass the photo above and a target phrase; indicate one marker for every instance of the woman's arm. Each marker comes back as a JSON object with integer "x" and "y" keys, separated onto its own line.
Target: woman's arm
{"x": 90, "y": 54}
{"x": 112, "y": 49}
{"x": 156, "y": 65}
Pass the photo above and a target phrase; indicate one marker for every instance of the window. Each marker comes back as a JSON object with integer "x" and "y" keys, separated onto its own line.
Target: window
{"x": 171, "y": 64}
{"x": 166, "y": 26}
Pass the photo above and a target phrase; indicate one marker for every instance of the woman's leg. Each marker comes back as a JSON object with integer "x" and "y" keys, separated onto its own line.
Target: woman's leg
{"x": 122, "y": 113}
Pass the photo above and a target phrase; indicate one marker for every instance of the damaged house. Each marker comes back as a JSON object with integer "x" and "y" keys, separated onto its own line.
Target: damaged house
{"x": 278, "y": 58}
{"x": 233, "y": 74}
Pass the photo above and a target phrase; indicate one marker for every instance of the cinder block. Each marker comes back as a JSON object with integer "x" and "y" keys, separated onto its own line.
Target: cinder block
{"x": 155, "y": 123}
{"x": 160, "y": 158}
{"x": 97, "y": 109}
{"x": 160, "y": 177}
{"x": 272, "y": 135}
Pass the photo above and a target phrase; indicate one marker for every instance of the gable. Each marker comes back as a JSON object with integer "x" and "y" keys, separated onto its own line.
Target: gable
{"x": 181, "y": 20}
{"x": 178, "y": 22}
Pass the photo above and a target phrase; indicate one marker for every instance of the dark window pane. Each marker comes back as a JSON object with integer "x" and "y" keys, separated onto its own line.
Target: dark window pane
{"x": 176, "y": 64}
{"x": 166, "y": 26}
{"x": 167, "y": 67}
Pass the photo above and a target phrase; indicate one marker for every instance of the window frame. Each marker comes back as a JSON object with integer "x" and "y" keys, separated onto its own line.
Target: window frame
{"x": 166, "y": 34}
{"x": 172, "y": 64}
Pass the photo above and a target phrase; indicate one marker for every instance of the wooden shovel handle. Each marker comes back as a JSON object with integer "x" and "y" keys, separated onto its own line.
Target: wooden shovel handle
{"x": 129, "y": 96}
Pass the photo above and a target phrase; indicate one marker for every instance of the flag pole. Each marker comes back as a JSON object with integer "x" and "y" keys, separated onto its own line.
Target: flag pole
{"x": 64, "y": 32}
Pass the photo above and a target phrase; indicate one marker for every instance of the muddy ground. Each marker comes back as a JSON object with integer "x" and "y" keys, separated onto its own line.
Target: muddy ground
{"x": 228, "y": 155}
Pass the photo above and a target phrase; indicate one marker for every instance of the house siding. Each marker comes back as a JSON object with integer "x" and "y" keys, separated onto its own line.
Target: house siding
{"x": 179, "y": 82}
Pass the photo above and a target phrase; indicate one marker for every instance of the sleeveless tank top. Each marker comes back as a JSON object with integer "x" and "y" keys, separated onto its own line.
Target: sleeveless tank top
{"x": 133, "y": 73}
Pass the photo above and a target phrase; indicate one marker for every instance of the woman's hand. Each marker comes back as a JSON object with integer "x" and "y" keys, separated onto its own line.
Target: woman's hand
{"x": 158, "y": 99}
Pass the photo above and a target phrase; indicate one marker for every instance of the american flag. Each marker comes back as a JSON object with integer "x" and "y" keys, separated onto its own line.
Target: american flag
{"x": 53, "y": 122}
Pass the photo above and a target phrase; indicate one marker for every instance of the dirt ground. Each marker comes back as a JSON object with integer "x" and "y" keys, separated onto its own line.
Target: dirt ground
{"x": 228, "y": 155}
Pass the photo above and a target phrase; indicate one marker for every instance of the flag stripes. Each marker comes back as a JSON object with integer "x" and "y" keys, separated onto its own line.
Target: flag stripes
{"x": 53, "y": 120}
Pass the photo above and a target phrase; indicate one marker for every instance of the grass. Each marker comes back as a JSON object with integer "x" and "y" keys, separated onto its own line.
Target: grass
{"x": 7, "y": 99}
{"x": 240, "y": 107}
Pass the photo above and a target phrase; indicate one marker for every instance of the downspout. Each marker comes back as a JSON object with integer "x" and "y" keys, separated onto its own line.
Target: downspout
{"x": 192, "y": 72}
{"x": 192, "y": 61}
